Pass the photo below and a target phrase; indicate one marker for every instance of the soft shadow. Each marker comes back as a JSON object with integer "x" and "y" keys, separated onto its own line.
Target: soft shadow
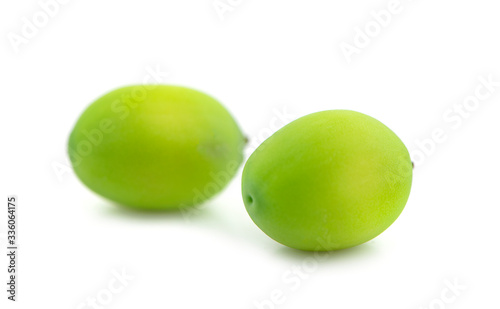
{"x": 188, "y": 214}
{"x": 209, "y": 217}
{"x": 365, "y": 250}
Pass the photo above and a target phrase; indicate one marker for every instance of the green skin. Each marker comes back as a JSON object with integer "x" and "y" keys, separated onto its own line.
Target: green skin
{"x": 156, "y": 147}
{"x": 327, "y": 181}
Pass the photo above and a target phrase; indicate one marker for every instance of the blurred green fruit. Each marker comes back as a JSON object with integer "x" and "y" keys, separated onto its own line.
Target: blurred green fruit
{"x": 156, "y": 147}
{"x": 327, "y": 181}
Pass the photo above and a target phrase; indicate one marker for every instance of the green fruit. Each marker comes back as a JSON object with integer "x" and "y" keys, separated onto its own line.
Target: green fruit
{"x": 327, "y": 181}
{"x": 156, "y": 147}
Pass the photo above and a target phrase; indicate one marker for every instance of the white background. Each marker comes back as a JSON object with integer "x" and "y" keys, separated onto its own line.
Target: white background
{"x": 264, "y": 58}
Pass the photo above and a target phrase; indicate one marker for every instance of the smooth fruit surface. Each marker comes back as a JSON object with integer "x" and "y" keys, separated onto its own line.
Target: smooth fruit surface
{"x": 327, "y": 181}
{"x": 156, "y": 147}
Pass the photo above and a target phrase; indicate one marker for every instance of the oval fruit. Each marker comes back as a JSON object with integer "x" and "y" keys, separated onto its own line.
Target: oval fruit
{"x": 327, "y": 181}
{"x": 156, "y": 147}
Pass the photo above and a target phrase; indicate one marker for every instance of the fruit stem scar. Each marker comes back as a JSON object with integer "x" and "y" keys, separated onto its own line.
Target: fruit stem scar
{"x": 249, "y": 199}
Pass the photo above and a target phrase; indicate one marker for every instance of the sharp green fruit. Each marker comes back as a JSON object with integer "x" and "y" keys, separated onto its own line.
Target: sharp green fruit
{"x": 327, "y": 181}
{"x": 156, "y": 147}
